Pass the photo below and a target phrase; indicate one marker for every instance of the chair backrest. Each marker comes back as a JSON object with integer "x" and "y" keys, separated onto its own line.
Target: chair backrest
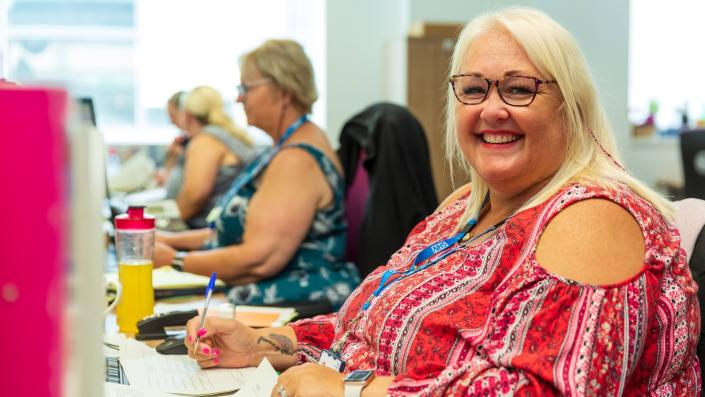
{"x": 693, "y": 154}
{"x": 697, "y": 268}
{"x": 690, "y": 219}
{"x": 385, "y": 156}
{"x": 355, "y": 202}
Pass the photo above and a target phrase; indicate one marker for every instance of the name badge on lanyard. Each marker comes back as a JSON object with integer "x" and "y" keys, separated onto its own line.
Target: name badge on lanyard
{"x": 332, "y": 361}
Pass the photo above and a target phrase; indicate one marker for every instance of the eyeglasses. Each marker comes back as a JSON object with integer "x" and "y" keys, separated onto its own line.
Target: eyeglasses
{"x": 244, "y": 87}
{"x": 513, "y": 90}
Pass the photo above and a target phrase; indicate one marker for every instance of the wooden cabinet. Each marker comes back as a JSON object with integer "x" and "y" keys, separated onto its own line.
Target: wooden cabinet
{"x": 429, "y": 49}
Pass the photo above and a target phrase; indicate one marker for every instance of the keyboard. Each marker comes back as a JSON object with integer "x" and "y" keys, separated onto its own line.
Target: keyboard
{"x": 114, "y": 372}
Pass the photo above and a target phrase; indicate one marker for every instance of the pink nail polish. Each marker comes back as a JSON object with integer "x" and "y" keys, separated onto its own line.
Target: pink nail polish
{"x": 206, "y": 350}
{"x": 190, "y": 338}
{"x": 201, "y": 332}
{"x": 216, "y": 352}
{"x": 215, "y": 361}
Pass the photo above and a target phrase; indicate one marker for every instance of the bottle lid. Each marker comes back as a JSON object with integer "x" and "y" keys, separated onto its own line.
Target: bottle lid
{"x": 134, "y": 219}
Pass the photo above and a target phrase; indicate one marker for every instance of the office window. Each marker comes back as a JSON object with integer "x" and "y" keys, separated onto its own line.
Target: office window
{"x": 666, "y": 61}
{"x": 131, "y": 55}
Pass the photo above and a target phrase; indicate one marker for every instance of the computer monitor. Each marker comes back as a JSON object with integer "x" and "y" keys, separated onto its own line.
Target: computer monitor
{"x": 51, "y": 272}
{"x": 86, "y": 116}
{"x": 86, "y": 111}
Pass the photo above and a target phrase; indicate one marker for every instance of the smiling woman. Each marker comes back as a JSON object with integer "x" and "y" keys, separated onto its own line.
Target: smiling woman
{"x": 553, "y": 272}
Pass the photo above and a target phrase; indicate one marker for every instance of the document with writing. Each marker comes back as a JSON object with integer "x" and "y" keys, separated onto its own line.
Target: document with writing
{"x": 145, "y": 368}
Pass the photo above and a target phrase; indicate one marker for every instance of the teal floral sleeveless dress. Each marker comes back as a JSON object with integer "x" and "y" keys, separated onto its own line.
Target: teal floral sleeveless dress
{"x": 317, "y": 271}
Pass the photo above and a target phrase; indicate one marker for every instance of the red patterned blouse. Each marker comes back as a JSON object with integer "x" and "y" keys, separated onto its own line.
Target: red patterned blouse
{"x": 489, "y": 320}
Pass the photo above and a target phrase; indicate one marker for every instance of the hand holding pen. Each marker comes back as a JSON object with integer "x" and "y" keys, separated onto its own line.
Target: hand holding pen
{"x": 239, "y": 343}
{"x": 209, "y": 293}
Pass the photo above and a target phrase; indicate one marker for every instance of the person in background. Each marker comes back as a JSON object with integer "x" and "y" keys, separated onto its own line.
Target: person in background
{"x": 216, "y": 153}
{"x": 170, "y": 175}
{"x": 280, "y": 229}
{"x": 553, "y": 272}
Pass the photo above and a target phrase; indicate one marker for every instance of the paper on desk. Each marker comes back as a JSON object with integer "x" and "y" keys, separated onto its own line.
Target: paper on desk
{"x": 259, "y": 316}
{"x": 261, "y": 383}
{"x": 252, "y": 316}
{"x": 112, "y": 344}
{"x": 145, "y": 368}
{"x": 118, "y": 390}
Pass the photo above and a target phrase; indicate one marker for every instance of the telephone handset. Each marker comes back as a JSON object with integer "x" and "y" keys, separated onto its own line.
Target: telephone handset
{"x": 156, "y": 326}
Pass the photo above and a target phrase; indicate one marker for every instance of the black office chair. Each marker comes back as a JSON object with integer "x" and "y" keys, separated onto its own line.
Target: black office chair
{"x": 689, "y": 215}
{"x": 389, "y": 183}
{"x": 697, "y": 268}
{"x": 693, "y": 154}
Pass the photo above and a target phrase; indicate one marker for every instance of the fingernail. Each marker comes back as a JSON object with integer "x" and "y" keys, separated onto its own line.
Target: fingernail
{"x": 215, "y": 361}
{"x": 190, "y": 338}
{"x": 206, "y": 350}
{"x": 216, "y": 352}
{"x": 201, "y": 332}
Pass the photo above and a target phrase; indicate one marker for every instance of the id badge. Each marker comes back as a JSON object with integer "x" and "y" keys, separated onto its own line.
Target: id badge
{"x": 331, "y": 360}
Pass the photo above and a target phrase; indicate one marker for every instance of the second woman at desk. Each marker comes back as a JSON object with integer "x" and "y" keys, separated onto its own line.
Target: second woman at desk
{"x": 280, "y": 229}
{"x": 216, "y": 153}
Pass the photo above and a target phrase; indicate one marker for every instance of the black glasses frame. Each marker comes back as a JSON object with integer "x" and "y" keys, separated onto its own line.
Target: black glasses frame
{"x": 491, "y": 83}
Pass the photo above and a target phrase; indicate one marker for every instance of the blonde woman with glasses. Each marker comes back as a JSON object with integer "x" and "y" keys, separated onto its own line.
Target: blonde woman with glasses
{"x": 280, "y": 229}
{"x": 554, "y": 272}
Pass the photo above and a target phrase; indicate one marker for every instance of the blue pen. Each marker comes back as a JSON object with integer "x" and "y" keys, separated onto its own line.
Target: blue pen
{"x": 209, "y": 293}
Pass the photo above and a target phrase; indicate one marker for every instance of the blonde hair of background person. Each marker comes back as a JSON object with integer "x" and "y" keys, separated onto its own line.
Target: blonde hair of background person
{"x": 557, "y": 56}
{"x": 205, "y": 154}
{"x": 286, "y": 63}
{"x": 206, "y": 105}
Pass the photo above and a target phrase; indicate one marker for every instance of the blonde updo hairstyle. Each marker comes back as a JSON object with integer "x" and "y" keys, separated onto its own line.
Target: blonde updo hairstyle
{"x": 205, "y": 104}
{"x": 286, "y": 63}
{"x": 557, "y": 56}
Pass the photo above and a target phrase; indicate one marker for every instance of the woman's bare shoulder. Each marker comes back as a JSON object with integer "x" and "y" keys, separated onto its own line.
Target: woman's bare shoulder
{"x": 594, "y": 241}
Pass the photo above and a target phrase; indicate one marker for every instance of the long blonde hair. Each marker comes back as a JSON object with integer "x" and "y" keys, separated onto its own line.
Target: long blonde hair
{"x": 206, "y": 105}
{"x": 557, "y": 56}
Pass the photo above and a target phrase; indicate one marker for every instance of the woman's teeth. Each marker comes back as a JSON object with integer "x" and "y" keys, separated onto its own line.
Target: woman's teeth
{"x": 491, "y": 138}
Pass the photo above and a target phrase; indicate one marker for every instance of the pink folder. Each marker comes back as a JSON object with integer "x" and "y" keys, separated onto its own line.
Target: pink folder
{"x": 34, "y": 235}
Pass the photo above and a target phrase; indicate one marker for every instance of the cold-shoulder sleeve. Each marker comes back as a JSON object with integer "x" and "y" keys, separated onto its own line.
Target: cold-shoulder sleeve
{"x": 314, "y": 335}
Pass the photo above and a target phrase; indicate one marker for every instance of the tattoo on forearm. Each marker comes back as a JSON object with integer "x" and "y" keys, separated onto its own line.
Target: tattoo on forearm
{"x": 280, "y": 343}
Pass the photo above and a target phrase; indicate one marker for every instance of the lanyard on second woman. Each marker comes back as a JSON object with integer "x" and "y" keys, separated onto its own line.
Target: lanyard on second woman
{"x": 264, "y": 160}
{"x": 257, "y": 166}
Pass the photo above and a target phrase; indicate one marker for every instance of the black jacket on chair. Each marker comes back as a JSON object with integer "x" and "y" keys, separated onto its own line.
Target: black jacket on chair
{"x": 401, "y": 191}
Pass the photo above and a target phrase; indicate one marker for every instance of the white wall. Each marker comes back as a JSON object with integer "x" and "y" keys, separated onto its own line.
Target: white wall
{"x": 360, "y": 35}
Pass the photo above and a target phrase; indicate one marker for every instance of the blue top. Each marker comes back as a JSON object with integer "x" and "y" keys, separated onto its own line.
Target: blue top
{"x": 318, "y": 269}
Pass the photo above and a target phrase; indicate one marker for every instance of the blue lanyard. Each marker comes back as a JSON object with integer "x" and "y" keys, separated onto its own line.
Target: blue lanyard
{"x": 291, "y": 129}
{"x": 429, "y": 256}
{"x": 251, "y": 172}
